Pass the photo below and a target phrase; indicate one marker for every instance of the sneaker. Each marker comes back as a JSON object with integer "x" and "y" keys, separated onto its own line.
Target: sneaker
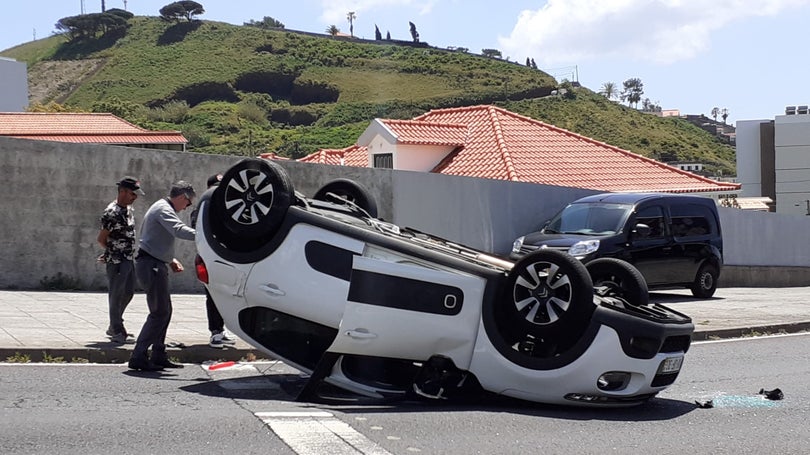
{"x": 227, "y": 339}
{"x": 122, "y": 338}
{"x": 111, "y": 333}
{"x": 143, "y": 365}
{"x": 216, "y": 341}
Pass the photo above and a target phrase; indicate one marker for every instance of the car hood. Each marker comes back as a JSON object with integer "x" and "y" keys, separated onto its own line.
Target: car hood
{"x": 557, "y": 240}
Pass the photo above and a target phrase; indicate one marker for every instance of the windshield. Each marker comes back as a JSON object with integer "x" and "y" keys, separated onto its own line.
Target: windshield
{"x": 595, "y": 218}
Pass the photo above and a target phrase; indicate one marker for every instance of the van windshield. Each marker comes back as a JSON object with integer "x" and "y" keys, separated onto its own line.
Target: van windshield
{"x": 595, "y": 218}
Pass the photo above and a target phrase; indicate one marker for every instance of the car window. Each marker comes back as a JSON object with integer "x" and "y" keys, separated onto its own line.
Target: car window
{"x": 691, "y": 220}
{"x": 596, "y": 218}
{"x": 654, "y": 218}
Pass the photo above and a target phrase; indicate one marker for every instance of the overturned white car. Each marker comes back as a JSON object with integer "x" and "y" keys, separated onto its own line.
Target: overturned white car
{"x": 385, "y": 311}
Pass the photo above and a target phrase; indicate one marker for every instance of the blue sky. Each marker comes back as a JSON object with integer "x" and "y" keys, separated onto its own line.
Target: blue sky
{"x": 748, "y": 56}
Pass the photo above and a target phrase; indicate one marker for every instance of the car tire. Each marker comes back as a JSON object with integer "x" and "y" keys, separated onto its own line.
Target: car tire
{"x": 705, "y": 281}
{"x": 250, "y": 204}
{"x": 350, "y": 191}
{"x": 613, "y": 277}
{"x": 549, "y": 297}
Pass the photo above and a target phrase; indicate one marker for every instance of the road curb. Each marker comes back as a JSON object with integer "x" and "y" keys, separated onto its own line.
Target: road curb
{"x": 741, "y": 332}
{"x": 203, "y": 353}
{"x": 191, "y": 354}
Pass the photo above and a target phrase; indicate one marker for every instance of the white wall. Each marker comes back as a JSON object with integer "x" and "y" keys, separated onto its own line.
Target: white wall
{"x": 792, "y": 144}
{"x": 13, "y": 85}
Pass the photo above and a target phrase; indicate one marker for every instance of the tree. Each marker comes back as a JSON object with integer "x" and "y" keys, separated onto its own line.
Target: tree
{"x": 609, "y": 90}
{"x": 414, "y": 33}
{"x": 715, "y": 113}
{"x": 534, "y": 65}
{"x": 266, "y": 23}
{"x": 103, "y": 6}
{"x": 493, "y": 53}
{"x": 88, "y": 26}
{"x": 528, "y": 62}
{"x": 388, "y": 35}
{"x": 377, "y": 34}
{"x": 633, "y": 89}
{"x": 185, "y": 9}
{"x": 351, "y": 17}
{"x": 332, "y": 30}
{"x": 724, "y": 114}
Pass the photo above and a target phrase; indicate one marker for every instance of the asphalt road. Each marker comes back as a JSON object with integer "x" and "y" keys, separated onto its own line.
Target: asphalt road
{"x": 81, "y": 409}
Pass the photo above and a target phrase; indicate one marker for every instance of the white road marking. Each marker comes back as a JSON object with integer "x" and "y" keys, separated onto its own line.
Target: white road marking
{"x": 749, "y": 338}
{"x": 319, "y": 432}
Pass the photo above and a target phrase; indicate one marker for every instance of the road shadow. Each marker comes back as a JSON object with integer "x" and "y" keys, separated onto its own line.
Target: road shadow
{"x": 666, "y": 298}
{"x": 286, "y": 387}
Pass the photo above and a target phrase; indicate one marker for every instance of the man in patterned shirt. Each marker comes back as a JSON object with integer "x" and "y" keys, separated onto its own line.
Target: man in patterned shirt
{"x": 117, "y": 237}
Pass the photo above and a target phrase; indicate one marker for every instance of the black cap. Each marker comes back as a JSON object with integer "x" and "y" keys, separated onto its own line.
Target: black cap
{"x": 131, "y": 183}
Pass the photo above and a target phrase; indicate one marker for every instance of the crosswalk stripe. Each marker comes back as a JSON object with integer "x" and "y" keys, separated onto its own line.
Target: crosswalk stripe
{"x": 319, "y": 432}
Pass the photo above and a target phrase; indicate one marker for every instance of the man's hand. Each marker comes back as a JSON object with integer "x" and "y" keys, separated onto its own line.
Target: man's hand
{"x": 176, "y": 266}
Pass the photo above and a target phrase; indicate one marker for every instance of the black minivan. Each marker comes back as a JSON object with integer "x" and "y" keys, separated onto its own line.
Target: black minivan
{"x": 673, "y": 240}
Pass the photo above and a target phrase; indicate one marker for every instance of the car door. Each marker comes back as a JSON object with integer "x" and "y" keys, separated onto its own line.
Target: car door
{"x": 693, "y": 225}
{"x": 651, "y": 253}
{"x": 410, "y": 310}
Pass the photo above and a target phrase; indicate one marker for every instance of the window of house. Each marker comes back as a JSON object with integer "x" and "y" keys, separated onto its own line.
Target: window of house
{"x": 384, "y": 160}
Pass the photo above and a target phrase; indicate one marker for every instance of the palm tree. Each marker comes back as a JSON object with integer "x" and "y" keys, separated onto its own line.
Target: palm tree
{"x": 351, "y": 17}
{"x": 724, "y": 114}
{"x": 332, "y": 30}
{"x": 715, "y": 113}
{"x": 609, "y": 90}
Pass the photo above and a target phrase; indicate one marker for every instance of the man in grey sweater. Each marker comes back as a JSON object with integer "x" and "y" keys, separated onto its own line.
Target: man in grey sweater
{"x": 160, "y": 227}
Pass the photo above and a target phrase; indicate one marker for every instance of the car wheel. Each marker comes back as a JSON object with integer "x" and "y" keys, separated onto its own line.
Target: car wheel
{"x": 705, "y": 281}
{"x": 250, "y": 203}
{"x": 550, "y": 298}
{"x": 348, "y": 190}
{"x": 616, "y": 278}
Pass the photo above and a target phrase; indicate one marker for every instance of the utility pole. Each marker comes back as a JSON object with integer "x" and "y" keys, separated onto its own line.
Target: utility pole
{"x": 82, "y": 4}
{"x": 125, "y": 5}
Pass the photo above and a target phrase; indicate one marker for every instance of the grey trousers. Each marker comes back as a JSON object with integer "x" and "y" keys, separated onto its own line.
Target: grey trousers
{"x": 154, "y": 277}
{"x": 121, "y": 279}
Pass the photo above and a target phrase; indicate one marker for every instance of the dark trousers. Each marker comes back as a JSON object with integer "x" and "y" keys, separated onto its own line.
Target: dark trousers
{"x": 121, "y": 280}
{"x": 154, "y": 277}
{"x": 215, "y": 322}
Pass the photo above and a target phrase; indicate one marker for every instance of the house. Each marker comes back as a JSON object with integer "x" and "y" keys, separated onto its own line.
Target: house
{"x": 773, "y": 157}
{"x": 88, "y": 128}
{"x": 14, "y": 89}
{"x": 491, "y": 142}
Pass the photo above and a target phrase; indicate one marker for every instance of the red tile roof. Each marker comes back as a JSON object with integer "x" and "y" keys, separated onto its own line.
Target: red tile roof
{"x": 497, "y": 144}
{"x": 81, "y": 127}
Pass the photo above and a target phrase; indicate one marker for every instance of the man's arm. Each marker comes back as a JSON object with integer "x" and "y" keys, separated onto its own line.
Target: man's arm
{"x": 103, "y": 235}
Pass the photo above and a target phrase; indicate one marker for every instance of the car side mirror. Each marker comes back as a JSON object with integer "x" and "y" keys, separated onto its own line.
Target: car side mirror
{"x": 641, "y": 230}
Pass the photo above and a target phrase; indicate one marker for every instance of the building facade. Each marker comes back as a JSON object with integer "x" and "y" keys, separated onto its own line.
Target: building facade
{"x": 14, "y": 85}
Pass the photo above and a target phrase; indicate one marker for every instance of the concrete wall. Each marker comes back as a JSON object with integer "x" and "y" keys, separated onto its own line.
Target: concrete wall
{"x": 14, "y": 89}
{"x": 55, "y": 192}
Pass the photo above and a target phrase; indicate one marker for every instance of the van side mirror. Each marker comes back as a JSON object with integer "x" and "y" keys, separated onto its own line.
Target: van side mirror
{"x": 641, "y": 230}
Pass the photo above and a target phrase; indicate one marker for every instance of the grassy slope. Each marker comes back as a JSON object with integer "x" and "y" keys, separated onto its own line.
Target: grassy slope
{"x": 155, "y": 60}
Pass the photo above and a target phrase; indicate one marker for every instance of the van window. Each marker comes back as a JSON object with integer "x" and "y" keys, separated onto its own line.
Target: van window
{"x": 692, "y": 220}
{"x": 654, "y": 218}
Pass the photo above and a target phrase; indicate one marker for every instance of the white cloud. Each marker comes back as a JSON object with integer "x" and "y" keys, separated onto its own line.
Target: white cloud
{"x": 335, "y": 11}
{"x": 658, "y": 31}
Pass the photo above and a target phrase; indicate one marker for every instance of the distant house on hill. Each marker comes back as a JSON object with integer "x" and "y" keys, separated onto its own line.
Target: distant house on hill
{"x": 491, "y": 142}
{"x": 88, "y": 129}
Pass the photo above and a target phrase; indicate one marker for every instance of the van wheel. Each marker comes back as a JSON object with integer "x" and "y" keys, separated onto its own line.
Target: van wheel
{"x": 250, "y": 204}
{"x": 616, "y": 278}
{"x": 549, "y": 297}
{"x": 705, "y": 281}
{"x": 348, "y": 190}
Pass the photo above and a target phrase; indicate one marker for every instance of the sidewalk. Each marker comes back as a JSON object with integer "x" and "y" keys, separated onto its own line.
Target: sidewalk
{"x": 71, "y": 325}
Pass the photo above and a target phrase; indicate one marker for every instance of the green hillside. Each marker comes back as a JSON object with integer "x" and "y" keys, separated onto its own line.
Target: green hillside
{"x": 244, "y": 90}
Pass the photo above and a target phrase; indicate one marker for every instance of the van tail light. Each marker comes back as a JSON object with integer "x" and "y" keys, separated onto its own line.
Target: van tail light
{"x": 202, "y": 271}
